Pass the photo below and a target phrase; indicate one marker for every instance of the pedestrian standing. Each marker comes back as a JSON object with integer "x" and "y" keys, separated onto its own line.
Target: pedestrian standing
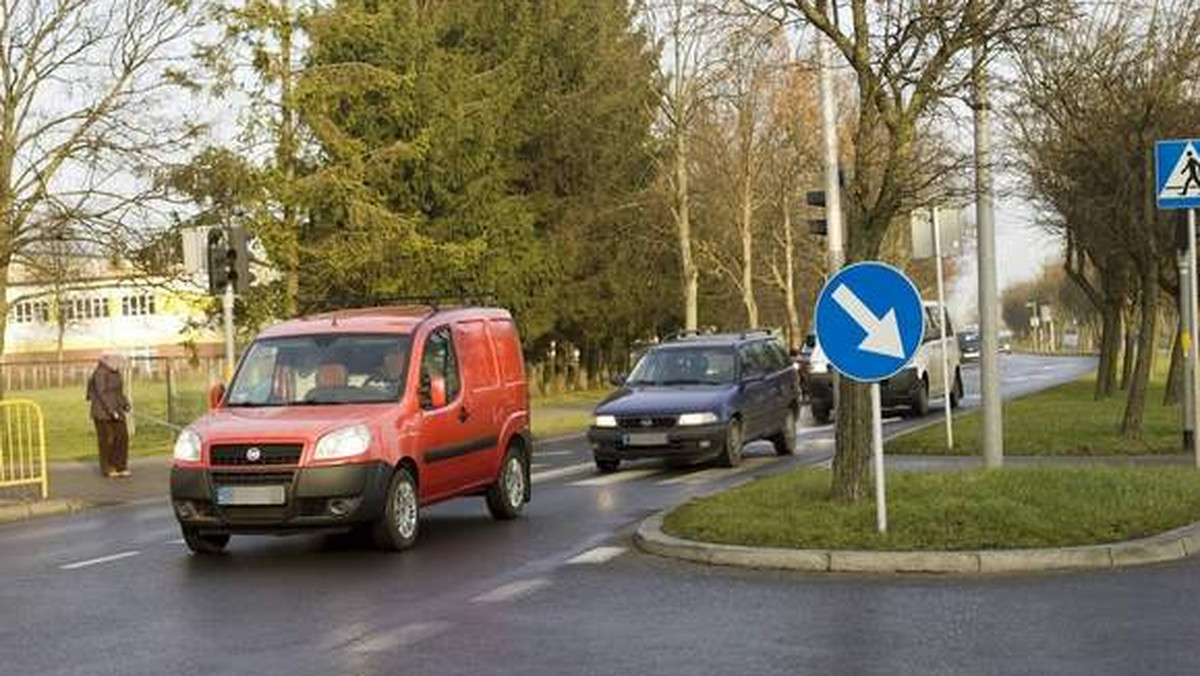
{"x": 106, "y": 392}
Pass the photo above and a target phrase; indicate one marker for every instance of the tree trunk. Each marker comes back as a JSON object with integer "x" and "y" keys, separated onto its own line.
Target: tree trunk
{"x": 747, "y": 232}
{"x": 789, "y": 275}
{"x": 3, "y": 320}
{"x": 852, "y": 462}
{"x": 683, "y": 224}
{"x": 1174, "y": 390}
{"x": 1110, "y": 349}
{"x": 1135, "y": 404}
{"x": 1130, "y": 350}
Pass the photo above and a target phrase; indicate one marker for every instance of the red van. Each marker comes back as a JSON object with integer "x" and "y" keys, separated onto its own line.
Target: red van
{"x": 356, "y": 420}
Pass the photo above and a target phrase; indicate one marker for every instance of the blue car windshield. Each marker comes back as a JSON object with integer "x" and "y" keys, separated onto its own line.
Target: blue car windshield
{"x": 686, "y": 366}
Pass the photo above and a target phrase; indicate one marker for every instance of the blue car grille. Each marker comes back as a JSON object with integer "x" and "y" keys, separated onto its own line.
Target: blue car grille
{"x": 645, "y": 422}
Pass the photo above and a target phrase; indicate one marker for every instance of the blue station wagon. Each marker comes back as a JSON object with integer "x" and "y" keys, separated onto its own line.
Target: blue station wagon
{"x": 700, "y": 398}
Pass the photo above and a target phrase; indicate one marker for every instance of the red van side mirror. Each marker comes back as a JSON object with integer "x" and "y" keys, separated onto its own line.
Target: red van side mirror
{"x": 437, "y": 392}
{"x": 215, "y": 394}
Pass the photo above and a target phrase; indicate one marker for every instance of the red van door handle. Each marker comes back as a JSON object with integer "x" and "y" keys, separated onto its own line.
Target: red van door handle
{"x": 463, "y": 414}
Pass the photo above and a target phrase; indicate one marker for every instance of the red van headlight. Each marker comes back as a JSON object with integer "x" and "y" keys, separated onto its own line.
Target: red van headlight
{"x": 346, "y": 442}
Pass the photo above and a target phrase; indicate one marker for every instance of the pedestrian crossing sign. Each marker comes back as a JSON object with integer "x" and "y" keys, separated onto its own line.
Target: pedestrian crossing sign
{"x": 1177, "y": 168}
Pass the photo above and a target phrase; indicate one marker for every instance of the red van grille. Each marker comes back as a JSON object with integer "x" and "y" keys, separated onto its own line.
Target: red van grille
{"x": 239, "y": 455}
{"x": 251, "y": 478}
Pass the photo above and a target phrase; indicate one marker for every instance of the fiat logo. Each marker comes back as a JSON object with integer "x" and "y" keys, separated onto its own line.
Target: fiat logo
{"x": 647, "y": 422}
{"x": 253, "y": 454}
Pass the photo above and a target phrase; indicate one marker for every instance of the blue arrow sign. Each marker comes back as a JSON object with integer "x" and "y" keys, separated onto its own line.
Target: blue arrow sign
{"x": 1177, "y": 168}
{"x": 869, "y": 321}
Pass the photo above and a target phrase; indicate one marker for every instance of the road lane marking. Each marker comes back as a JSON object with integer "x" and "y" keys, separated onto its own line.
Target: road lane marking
{"x": 538, "y": 465}
{"x": 552, "y": 454}
{"x": 402, "y": 637}
{"x": 597, "y": 555}
{"x": 617, "y": 477}
{"x": 694, "y": 477}
{"x": 551, "y": 474}
{"x": 512, "y": 591}
{"x": 176, "y": 541}
{"x": 103, "y": 559}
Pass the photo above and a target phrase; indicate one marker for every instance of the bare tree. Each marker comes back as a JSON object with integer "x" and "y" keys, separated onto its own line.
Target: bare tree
{"x": 910, "y": 60}
{"x": 1093, "y": 99}
{"x": 83, "y": 113}
{"x": 687, "y": 33}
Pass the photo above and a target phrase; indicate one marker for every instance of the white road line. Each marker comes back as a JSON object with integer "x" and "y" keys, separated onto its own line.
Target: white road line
{"x": 404, "y": 636}
{"x": 552, "y": 454}
{"x": 616, "y": 477}
{"x": 551, "y": 474}
{"x": 176, "y": 541}
{"x": 102, "y": 559}
{"x": 597, "y": 555}
{"x": 695, "y": 477}
{"x": 512, "y": 591}
{"x": 538, "y": 465}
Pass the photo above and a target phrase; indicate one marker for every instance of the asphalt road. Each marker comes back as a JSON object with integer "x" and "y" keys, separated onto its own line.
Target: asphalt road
{"x": 559, "y": 591}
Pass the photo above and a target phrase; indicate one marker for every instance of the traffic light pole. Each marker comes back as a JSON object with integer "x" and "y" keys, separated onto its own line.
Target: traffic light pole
{"x": 227, "y": 310}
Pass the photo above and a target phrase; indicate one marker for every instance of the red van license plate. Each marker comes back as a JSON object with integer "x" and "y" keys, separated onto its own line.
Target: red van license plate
{"x": 251, "y": 495}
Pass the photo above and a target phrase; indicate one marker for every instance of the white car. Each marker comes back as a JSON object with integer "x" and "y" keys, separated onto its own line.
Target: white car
{"x": 911, "y": 389}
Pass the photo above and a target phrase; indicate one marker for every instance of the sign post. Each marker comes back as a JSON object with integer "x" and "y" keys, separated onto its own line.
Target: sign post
{"x": 1177, "y": 173}
{"x": 870, "y": 322}
{"x": 938, "y": 239}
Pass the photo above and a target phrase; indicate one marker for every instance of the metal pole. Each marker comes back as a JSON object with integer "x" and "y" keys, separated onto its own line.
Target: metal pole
{"x": 941, "y": 293}
{"x": 877, "y": 444}
{"x": 833, "y": 199}
{"x": 1186, "y": 337}
{"x": 227, "y": 309}
{"x": 833, "y": 194}
{"x": 1195, "y": 312}
{"x": 989, "y": 316}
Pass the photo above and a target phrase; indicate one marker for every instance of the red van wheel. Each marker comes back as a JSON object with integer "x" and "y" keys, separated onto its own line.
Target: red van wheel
{"x": 506, "y": 497}
{"x": 397, "y": 527}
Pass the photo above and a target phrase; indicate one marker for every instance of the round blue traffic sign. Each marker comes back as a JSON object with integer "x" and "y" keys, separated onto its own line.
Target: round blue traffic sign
{"x": 869, "y": 321}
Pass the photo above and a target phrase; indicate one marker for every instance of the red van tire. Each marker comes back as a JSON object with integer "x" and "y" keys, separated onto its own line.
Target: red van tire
{"x": 506, "y": 497}
{"x": 396, "y": 529}
{"x": 202, "y": 543}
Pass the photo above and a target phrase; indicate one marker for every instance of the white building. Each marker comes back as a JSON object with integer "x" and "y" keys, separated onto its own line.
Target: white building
{"x": 107, "y": 306}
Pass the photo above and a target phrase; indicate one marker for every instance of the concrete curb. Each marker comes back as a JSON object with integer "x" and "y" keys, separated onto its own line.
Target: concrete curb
{"x": 1170, "y": 546}
{"x": 35, "y": 509}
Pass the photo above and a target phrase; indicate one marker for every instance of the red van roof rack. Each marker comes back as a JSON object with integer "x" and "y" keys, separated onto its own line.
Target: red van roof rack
{"x": 435, "y": 302}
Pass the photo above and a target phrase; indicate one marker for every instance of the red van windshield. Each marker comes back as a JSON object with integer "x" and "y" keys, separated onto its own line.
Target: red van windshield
{"x": 321, "y": 370}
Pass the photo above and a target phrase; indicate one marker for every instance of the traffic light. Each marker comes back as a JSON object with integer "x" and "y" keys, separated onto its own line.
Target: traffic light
{"x": 228, "y": 260}
{"x": 817, "y": 226}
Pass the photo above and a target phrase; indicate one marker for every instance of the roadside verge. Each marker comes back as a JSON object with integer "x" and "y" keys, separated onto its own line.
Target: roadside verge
{"x": 1170, "y": 546}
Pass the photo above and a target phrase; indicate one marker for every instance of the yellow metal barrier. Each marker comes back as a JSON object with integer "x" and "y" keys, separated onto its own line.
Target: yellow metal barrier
{"x": 23, "y": 445}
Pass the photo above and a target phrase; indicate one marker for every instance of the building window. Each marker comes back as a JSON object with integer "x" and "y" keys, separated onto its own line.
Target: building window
{"x": 30, "y": 311}
{"x": 82, "y": 309}
{"x": 136, "y": 306}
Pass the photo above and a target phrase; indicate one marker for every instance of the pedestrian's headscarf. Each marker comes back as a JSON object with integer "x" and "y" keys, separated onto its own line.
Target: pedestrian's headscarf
{"x": 113, "y": 360}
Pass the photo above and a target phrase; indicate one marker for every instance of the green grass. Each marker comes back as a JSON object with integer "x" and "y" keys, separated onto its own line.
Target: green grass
{"x": 561, "y": 414}
{"x": 71, "y": 436}
{"x": 967, "y": 510}
{"x": 1064, "y": 420}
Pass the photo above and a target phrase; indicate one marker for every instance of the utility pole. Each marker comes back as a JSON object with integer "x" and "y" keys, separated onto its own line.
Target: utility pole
{"x": 829, "y": 140}
{"x": 833, "y": 189}
{"x": 1186, "y": 338}
{"x": 989, "y": 365}
{"x": 1194, "y": 278}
